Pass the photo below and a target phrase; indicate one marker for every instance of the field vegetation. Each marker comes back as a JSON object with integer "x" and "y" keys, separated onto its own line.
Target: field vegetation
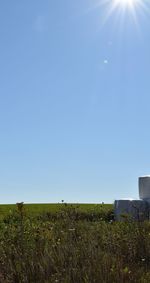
{"x": 72, "y": 244}
{"x": 36, "y": 209}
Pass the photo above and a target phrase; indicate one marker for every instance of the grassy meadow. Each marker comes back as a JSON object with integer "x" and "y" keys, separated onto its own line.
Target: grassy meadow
{"x": 71, "y": 243}
{"x": 36, "y": 209}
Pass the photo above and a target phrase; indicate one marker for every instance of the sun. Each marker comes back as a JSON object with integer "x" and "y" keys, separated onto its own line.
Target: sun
{"x": 122, "y": 10}
{"x": 125, "y": 3}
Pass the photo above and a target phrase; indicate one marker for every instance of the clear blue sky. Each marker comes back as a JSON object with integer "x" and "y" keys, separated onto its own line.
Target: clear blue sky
{"x": 74, "y": 100}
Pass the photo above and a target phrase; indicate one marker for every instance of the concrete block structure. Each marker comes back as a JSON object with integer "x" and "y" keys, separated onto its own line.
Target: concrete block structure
{"x": 138, "y": 210}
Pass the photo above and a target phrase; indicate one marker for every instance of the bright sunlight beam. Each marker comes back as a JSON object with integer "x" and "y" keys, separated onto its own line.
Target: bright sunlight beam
{"x": 123, "y": 8}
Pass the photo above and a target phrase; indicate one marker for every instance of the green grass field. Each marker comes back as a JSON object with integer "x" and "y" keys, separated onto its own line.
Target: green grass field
{"x": 71, "y": 243}
{"x": 36, "y": 208}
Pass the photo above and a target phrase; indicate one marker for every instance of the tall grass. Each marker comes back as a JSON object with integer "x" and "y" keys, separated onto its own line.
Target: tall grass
{"x": 73, "y": 246}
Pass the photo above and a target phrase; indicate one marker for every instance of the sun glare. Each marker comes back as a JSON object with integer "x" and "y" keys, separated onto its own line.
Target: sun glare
{"x": 121, "y": 9}
{"x": 125, "y": 3}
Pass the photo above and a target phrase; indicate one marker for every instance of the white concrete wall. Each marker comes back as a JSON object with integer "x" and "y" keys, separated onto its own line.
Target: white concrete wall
{"x": 131, "y": 209}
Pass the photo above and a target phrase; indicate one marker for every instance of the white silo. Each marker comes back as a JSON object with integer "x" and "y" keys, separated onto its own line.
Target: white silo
{"x": 144, "y": 188}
